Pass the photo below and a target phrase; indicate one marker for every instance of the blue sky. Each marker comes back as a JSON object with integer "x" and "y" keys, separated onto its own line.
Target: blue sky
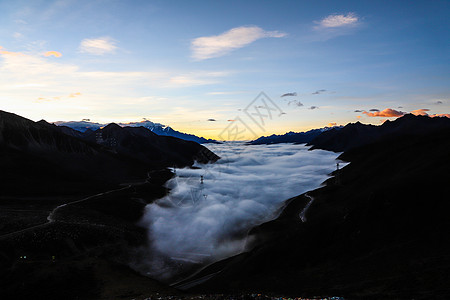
{"x": 182, "y": 63}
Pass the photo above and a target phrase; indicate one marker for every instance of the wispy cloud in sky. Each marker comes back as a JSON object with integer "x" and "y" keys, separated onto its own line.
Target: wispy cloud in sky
{"x": 336, "y": 21}
{"x": 235, "y": 38}
{"x": 98, "y": 46}
{"x": 195, "y": 78}
{"x": 319, "y": 92}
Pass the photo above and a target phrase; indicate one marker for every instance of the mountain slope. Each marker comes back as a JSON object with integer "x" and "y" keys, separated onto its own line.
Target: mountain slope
{"x": 378, "y": 230}
{"x": 356, "y": 134}
{"x": 69, "y": 208}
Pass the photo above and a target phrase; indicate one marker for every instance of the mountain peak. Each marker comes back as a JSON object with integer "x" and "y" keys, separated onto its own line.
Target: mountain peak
{"x": 112, "y": 127}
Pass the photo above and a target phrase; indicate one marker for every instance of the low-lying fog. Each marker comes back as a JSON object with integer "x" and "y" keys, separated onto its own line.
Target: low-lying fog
{"x": 204, "y": 222}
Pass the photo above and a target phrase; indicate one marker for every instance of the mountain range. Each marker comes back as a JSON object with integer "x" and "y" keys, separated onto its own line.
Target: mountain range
{"x": 292, "y": 137}
{"x": 378, "y": 229}
{"x": 38, "y": 155}
{"x": 157, "y": 128}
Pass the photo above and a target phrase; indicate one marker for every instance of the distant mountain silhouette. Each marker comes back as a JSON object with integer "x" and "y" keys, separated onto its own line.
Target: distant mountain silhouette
{"x": 143, "y": 144}
{"x": 292, "y": 137}
{"x": 157, "y": 128}
{"x": 44, "y": 157}
{"x": 356, "y": 134}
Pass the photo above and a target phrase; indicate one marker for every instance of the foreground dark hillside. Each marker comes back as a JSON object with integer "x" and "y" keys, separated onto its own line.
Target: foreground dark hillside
{"x": 378, "y": 230}
{"x": 69, "y": 207}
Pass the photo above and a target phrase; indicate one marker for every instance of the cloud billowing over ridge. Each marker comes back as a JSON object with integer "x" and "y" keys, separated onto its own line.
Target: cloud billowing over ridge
{"x": 201, "y": 223}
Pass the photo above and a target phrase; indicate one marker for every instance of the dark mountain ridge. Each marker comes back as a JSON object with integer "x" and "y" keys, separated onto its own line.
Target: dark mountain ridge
{"x": 357, "y": 134}
{"x": 377, "y": 230}
{"x": 159, "y": 129}
{"x": 39, "y": 155}
{"x": 292, "y": 137}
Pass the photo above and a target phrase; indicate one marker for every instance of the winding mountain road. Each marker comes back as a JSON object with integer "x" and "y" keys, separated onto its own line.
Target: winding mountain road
{"x": 50, "y": 217}
{"x": 302, "y": 214}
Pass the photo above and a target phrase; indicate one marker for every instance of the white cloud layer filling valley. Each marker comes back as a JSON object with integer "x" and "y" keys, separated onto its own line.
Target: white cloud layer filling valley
{"x": 201, "y": 223}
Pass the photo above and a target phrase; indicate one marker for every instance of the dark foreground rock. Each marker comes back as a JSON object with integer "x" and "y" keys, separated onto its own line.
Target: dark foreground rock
{"x": 378, "y": 230}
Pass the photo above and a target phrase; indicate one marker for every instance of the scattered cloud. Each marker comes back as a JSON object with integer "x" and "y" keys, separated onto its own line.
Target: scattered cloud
{"x": 289, "y": 94}
{"x": 358, "y": 110}
{"x": 420, "y": 112}
{"x": 17, "y": 35}
{"x": 56, "y": 98}
{"x": 374, "y": 109}
{"x": 388, "y": 112}
{"x": 4, "y": 52}
{"x": 218, "y": 45}
{"x": 73, "y": 95}
{"x": 314, "y": 107}
{"x": 358, "y": 117}
{"x": 21, "y": 22}
{"x": 52, "y": 53}
{"x": 337, "y": 21}
{"x": 98, "y": 46}
{"x": 423, "y": 112}
{"x": 211, "y": 120}
{"x": 438, "y": 102}
{"x": 296, "y": 103}
{"x": 331, "y": 124}
{"x": 440, "y": 115}
{"x": 318, "y": 92}
{"x": 225, "y": 93}
{"x": 195, "y": 78}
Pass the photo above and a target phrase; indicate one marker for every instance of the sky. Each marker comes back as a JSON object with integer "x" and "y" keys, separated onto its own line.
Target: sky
{"x": 225, "y": 69}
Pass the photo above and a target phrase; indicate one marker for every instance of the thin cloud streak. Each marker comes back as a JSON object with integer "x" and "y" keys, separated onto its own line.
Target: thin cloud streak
{"x": 98, "y": 46}
{"x": 336, "y": 21}
{"x": 235, "y": 38}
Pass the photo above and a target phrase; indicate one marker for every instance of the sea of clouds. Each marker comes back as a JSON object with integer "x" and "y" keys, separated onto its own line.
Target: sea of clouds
{"x": 199, "y": 223}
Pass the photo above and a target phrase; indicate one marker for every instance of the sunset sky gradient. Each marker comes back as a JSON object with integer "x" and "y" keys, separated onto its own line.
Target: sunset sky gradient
{"x": 195, "y": 65}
